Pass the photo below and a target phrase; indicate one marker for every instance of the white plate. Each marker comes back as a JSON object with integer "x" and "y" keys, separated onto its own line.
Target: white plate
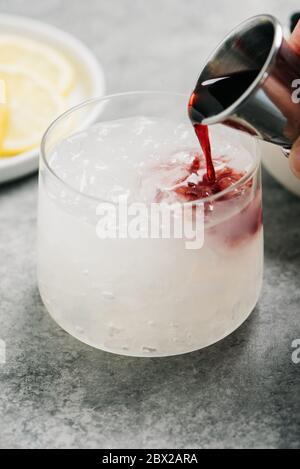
{"x": 278, "y": 166}
{"x": 90, "y": 82}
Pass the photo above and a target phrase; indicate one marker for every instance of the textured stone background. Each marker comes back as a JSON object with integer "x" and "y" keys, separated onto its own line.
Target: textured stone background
{"x": 57, "y": 392}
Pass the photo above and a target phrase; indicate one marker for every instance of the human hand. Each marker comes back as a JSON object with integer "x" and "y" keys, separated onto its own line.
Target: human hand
{"x": 294, "y": 158}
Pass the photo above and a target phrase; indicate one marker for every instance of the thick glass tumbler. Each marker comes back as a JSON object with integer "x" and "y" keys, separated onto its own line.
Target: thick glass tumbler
{"x": 102, "y": 277}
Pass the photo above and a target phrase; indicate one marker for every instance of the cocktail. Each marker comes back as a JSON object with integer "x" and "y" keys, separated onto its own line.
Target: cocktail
{"x": 118, "y": 285}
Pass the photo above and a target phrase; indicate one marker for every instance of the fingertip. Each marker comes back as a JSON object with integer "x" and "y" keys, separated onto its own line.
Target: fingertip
{"x": 294, "y": 159}
{"x": 295, "y": 38}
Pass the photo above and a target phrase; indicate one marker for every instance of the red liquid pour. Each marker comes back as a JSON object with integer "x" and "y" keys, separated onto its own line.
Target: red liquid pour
{"x": 241, "y": 225}
{"x": 211, "y": 97}
{"x": 203, "y": 137}
{"x": 224, "y": 178}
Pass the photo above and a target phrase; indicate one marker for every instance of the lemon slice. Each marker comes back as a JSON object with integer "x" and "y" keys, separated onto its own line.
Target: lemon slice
{"x": 42, "y": 60}
{"x": 31, "y": 105}
{"x": 3, "y": 112}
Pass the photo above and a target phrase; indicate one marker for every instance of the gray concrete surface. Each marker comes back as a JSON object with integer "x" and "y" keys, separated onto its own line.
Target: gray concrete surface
{"x": 57, "y": 392}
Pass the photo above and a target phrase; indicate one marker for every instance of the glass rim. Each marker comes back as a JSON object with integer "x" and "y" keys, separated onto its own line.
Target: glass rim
{"x": 243, "y": 180}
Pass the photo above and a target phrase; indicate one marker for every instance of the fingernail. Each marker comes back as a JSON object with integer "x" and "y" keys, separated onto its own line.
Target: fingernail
{"x": 295, "y": 159}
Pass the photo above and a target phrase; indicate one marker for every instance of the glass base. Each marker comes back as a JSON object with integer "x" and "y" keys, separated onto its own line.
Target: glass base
{"x": 149, "y": 353}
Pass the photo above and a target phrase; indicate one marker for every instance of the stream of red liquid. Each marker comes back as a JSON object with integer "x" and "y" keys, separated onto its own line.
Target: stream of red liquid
{"x": 203, "y": 137}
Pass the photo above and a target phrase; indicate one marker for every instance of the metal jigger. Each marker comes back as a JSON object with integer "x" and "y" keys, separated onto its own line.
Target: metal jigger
{"x": 269, "y": 108}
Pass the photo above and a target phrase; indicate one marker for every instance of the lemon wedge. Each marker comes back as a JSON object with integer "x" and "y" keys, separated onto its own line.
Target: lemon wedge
{"x": 31, "y": 105}
{"x": 3, "y": 112}
{"x": 42, "y": 60}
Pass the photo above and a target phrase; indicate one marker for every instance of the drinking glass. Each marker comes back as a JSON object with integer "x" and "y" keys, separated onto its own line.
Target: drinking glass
{"x": 143, "y": 297}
